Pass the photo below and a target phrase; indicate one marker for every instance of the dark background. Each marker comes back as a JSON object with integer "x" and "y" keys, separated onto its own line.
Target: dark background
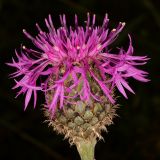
{"x": 135, "y": 134}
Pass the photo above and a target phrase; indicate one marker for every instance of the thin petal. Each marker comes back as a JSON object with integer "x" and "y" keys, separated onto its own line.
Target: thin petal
{"x": 120, "y": 88}
{"x": 28, "y": 97}
{"x": 124, "y": 83}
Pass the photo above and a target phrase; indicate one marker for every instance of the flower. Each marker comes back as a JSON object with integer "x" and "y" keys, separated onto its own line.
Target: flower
{"x": 79, "y": 54}
{"x": 77, "y": 72}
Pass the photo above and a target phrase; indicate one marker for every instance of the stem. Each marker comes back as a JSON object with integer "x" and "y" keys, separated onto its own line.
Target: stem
{"x": 86, "y": 149}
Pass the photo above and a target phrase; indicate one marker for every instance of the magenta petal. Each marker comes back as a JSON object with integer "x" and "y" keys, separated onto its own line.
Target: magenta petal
{"x": 53, "y": 104}
{"x": 125, "y": 84}
{"x": 130, "y": 48}
{"x": 62, "y": 97}
{"x": 28, "y": 97}
{"x": 63, "y": 78}
{"x": 35, "y": 98}
{"x": 28, "y": 86}
{"x": 103, "y": 87}
{"x": 120, "y": 88}
{"x": 140, "y": 78}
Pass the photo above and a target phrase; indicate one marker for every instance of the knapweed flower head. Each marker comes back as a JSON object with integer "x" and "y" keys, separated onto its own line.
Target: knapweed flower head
{"x": 69, "y": 61}
{"x": 78, "y": 73}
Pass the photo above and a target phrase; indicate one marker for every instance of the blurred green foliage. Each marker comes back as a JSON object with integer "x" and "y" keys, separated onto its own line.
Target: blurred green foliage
{"x": 136, "y": 133}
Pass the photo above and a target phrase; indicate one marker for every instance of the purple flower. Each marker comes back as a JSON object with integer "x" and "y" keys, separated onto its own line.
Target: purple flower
{"x": 71, "y": 52}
